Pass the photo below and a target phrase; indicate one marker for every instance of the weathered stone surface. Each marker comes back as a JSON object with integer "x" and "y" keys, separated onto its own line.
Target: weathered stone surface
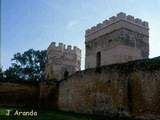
{"x": 14, "y": 94}
{"x": 119, "y": 39}
{"x": 48, "y": 95}
{"x": 132, "y": 88}
{"x": 62, "y": 61}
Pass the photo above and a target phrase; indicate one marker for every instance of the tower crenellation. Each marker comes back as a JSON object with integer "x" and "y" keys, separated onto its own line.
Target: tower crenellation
{"x": 62, "y": 60}
{"x": 120, "y": 38}
{"x": 61, "y": 46}
{"x": 114, "y": 19}
{"x": 69, "y": 47}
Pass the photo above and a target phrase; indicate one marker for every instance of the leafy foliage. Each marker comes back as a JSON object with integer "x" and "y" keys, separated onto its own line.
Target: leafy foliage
{"x": 1, "y": 74}
{"x": 29, "y": 65}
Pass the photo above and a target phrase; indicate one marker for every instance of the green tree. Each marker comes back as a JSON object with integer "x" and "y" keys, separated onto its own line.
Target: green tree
{"x": 11, "y": 74}
{"x": 1, "y": 74}
{"x": 29, "y": 65}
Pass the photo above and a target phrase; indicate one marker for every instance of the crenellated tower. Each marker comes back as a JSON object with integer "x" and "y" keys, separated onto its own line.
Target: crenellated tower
{"x": 62, "y": 61}
{"x": 122, "y": 38}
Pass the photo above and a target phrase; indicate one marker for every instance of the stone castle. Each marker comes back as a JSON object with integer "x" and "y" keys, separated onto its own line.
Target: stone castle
{"x": 130, "y": 87}
{"x": 120, "y": 39}
{"x": 124, "y": 88}
{"x": 62, "y": 61}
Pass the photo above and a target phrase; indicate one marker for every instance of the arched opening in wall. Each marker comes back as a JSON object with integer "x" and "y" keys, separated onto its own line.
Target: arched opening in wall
{"x": 66, "y": 73}
{"x": 98, "y": 59}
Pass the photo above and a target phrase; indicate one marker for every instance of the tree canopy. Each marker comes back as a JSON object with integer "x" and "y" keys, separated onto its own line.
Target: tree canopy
{"x": 29, "y": 65}
{"x": 1, "y": 74}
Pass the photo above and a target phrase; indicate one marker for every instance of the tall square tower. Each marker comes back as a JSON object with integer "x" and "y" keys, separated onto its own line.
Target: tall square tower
{"x": 120, "y": 39}
{"x": 62, "y": 61}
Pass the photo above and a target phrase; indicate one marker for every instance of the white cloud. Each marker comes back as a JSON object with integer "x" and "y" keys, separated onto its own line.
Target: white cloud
{"x": 71, "y": 24}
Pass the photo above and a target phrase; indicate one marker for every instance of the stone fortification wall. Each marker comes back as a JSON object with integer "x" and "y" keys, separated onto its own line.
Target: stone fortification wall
{"x": 48, "y": 94}
{"x": 62, "y": 60}
{"x": 131, "y": 88}
{"x": 19, "y": 95}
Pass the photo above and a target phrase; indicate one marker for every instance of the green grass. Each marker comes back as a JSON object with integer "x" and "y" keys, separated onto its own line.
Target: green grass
{"x": 43, "y": 115}
{"x": 58, "y": 115}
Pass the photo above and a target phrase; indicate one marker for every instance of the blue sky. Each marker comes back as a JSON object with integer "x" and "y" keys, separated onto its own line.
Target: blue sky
{"x": 35, "y": 24}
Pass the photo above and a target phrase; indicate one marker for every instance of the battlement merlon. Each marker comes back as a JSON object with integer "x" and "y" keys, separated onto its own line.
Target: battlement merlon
{"x": 114, "y": 19}
{"x": 63, "y": 47}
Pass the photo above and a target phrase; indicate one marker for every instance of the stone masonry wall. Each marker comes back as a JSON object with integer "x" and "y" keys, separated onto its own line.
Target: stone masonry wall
{"x": 19, "y": 95}
{"x": 62, "y": 61}
{"x": 132, "y": 88}
{"x": 48, "y": 95}
{"x": 106, "y": 37}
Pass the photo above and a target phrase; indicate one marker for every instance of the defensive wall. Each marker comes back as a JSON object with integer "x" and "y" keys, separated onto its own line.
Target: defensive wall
{"x": 131, "y": 88}
{"x": 19, "y": 95}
